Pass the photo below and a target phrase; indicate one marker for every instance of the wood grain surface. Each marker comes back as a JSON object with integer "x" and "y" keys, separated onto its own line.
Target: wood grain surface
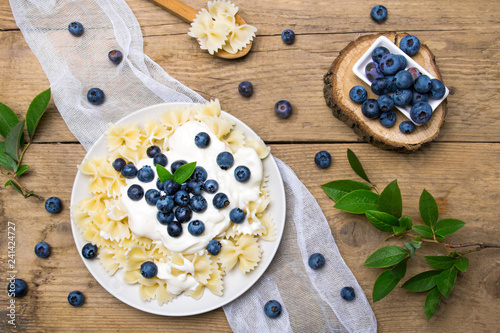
{"x": 460, "y": 168}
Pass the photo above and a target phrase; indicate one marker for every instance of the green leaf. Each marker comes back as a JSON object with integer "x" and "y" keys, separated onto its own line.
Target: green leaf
{"x": 7, "y": 161}
{"x": 382, "y": 221}
{"x": 338, "y": 188}
{"x": 8, "y": 119}
{"x": 406, "y": 222}
{"x": 462, "y": 264}
{"x": 428, "y": 208}
{"x": 423, "y": 230}
{"x": 446, "y": 280}
{"x": 398, "y": 230}
{"x": 446, "y": 227}
{"x": 356, "y": 165}
{"x": 432, "y": 302}
{"x": 410, "y": 248}
{"x": 416, "y": 244}
{"x": 36, "y": 111}
{"x": 386, "y": 256}
{"x": 163, "y": 173}
{"x": 184, "y": 172}
{"x": 440, "y": 262}
{"x": 422, "y": 282}
{"x": 387, "y": 281}
{"x": 399, "y": 270}
{"x": 358, "y": 202}
{"x": 390, "y": 200}
{"x": 14, "y": 185}
{"x": 12, "y": 141}
{"x": 22, "y": 169}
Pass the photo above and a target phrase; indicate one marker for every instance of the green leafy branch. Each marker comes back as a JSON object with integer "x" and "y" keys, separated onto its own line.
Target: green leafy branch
{"x": 12, "y": 150}
{"x": 384, "y": 210}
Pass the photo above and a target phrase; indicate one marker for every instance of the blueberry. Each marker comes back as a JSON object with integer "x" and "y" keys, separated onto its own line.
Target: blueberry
{"x": 196, "y": 227}
{"x": 171, "y": 187}
{"x": 165, "y": 204}
{"x": 149, "y": 269}
{"x": 242, "y": 173}
{"x": 160, "y": 159}
{"x": 135, "y": 192}
{"x": 53, "y": 205}
{"x": 406, "y": 127}
{"x": 95, "y": 96}
{"x": 152, "y": 196}
{"x": 237, "y": 215}
{"x": 176, "y": 165}
{"x": 181, "y": 198}
{"x": 146, "y": 174}
{"x": 323, "y": 159}
{"x": 378, "y": 53}
{"x": 75, "y": 28}
{"x": 165, "y": 218}
{"x": 404, "y": 79}
{"x": 17, "y": 288}
{"x": 214, "y": 247}
{"x": 195, "y": 187}
{"x": 42, "y": 250}
{"x": 115, "y": 56}
{"x": 422, "y": 84}
{"x": 183, "y": 214}
{"x": 174, "y": 229}
{"x": 272, "y": 309}
{"x": 402, "y": 97}
{"x": 245, "y": 88}
{"x": 379, "y": 13}
{"x": 152, "y": 151}
{"x": 159, "y": 184}
{"x": 414, "y": 72}
{"x": 392, "y": 83}
{"x": 421, "y": 112}
{"x": 288, "y": 36}
{"x": 118, "y": 164}
{"x": 199, "y": 173}
{"x": 202, "y": 140}
{"x": 418, "y": 97}
{"x": 381, "y": 86}
{"x": 389, "y": 64}
{"x": 220, "y": 201}
{"x": 385, "y": 103}
{"x": 409, "y": 44}
{"x": 358, "y": 94}
{"x": 388, "y": 119}
{"x": 372, "y": 71}
{"x": 403, "y": 60}
{"x": 316, "y": 260}
{"x": 198, "y": 204}
{"x": 370, "y": 109}
{"x": 89, "y": 251}
{"x": 129, "y": 171}
{"x": 76, "y": 298}
{"x": 283, "y": 109}
{"x": 348, "y": 293}
{"x": 225, "y": 160}
{"x": 437, "y": 89}
{"x": 211, "y": 186}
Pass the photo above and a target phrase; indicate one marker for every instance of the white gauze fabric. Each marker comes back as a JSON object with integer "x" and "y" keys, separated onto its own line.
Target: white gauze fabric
{"x": 311, "y": 299}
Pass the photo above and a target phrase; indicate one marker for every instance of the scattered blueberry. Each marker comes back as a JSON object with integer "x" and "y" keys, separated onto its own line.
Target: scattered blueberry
{"x": 76, "y": 298}
{"x": 75, "y": 28}
{"x": 195, "y": 187}
{"x": 381, "y": 86}
{"x": 152, "y": 151}
{"x": 146, "y": 174}
{"x": 135, "y": 192}
{"x": 42, "y": 250}
{"x": 358, "y": 94}
{"x": 220, "y": 201}
{"x": 402, "y": 97}
{"x": 199, "y": 173}
{"x": 406, "y": 127}
{"x": 237, "y": 215}
{"x": 378, "y": 53}
{"x": 379, "y": 13}
{"x": 421, "y": 112}
{"x": 118, "y": 164}
{"x": 372, "y": 71}
{"x": 242, "y": 173}
{"x": 202, "y": 140}
{"x": 409, "y": 44}
{"x": 272, "y": 309}
{"x": 414, "y": 72}
{"x": 422, "y": 84}
{"x": 17, "y": 288}
{"x": 165, "y": 218}
{"x": 171, "y": 187}
{"x": 403, "y": 60}
{"x": 316, "y": 261}
{"x": 385, "y": 103}
{"x": 348, "y": 293}
{"x": 165, "y": 204}
{"x": 89, "y": 251}
{"x": 370, "y": 109}
{"x": 283, "y": 109}
{"x": 181, "y": 198}
{"x": 288, "y": 36}
{"x": 418, "y": 97}
{"x": 225, "y": 160}
{"x": 160, "y": 159}
{"x": 404, "y": 79}
{"x": 53, "y": 205}
{"x": 196, "y": 227}
{"x": 437, "y": 89}
{"x": 152, "y": 196}
{"x": 149, "y": 269}
{"x": 198, "y": 204}
{"x": 388, "y": 119}
{"x": 183, "y": 214}
{"x": 214, "y": 247}
{"x": 176, "y": 165}
{"x": 129, "y": 171}
{"x": 115, "y": 56}
{"x": 95, "y": 96}
{"x": 389, "y": 64}
{"x": 211, "y": 186}
{"x": 323, "y": 159}
{"x": 174, "y": 229}
{"x": 245, "y": 88}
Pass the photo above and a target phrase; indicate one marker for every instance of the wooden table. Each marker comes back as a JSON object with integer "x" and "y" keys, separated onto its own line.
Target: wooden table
{"x": 460, "y": 168}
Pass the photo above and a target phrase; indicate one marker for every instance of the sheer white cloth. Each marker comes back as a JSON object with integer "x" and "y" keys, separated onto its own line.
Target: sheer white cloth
{"x": 311, "y": 299}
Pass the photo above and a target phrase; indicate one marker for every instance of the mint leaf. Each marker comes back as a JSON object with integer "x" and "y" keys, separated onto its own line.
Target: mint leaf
{"x": 387, "y": 281}
{"x": 356, "y": 165}
{"x": 12, "y": 141}
{"x": 338, "y": 188}
{"x": 440, "y": 262}
{"x": 406, "y": 222}
{"x": 36, "y": 110}
{"x": 8, "y": 119}
{"x": 390, "y": 200}
{"x": 446, "y": 280}
{"x": 358, "y": 202}
{"x": 163, "y": 173}
{"x": 423, "y": 230}
{"x": 446, "y": 227}
{"x": 432, "y": 302}
{"x": 462, "y": 264}
{"x": 22, "y": 169}
{"x": 382, "y": 221}
{"x": 184, "y": 172}
{"x": 422, "y": 282}
{"x": 428, "y": 208}
{"x": 386, "y": 256}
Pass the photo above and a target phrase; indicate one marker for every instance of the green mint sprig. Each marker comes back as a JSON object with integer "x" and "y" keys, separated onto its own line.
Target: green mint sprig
{"x": 180, "y": 175}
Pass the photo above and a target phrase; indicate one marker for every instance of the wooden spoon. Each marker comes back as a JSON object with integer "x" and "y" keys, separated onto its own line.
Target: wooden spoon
{"x": 188, "y": 14}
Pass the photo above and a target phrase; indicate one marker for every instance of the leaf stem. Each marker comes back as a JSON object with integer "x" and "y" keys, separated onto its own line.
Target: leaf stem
{"x": 479, "y": 245}
{"x": 22, "y": 153}
{"x": 26, "y": 193}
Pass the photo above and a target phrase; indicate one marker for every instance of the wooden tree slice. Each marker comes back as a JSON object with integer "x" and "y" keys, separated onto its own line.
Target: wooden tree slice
{"x": 340, "y": 79}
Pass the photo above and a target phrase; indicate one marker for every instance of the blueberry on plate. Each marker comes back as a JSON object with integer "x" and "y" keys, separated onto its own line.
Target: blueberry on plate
{"x": 422, "y": 84}
{"x": 388, "y": 119}
{"x": 402, "y": 97}
{"x": 370, "y": 109}
{"x": 406, "y": 127}
{"x": 118, "y": 164}
{"x": 202, "y": 140}
{"x": 146, "y": 174}
{"x": 323, "y": 159}
{"x": 237, "y": 215}
{"x": 135, "y": 192}
{"x": 242, "y": 173}
{"x": 199, "y": 173}
{"x": 437, "y": 89}
{"x": 115, "y": 56}
{"x": 418, "y": 97}
{"x": 53, "y": 205}
{"x": 152, "y": 196}
{"x": 42, "y": 250}
{"x": 181, "y": 198}
{"x": 95, "y": 96}
{"x": 381, "y": 86}
{"x": 171, "y": 187}
{"x": 159, "y": 184}
{"x": 211, "y": 186}
{"x": 89, "y": 251}
{"x": 198, "y": 204}
{"x": 76, "y": 298}
{"x": 195, "y": 187}
{"x": 288, "y": 36}
{"x": 176, "y": 165}
{"x": 348, "y": 293}
{"x": 403, "y": 60}
{"x": 316, "y": 261}
{"x": 165, "y": 204}
{"x": 183, "y": 214}
{"x": 385, "y": 103}
{"x": 165, "y": 218}
{"x": 17, "y": 288}
{"x": 149, "y": 269}
{"x": 152, "y": 151}
{"x": 409, "y": 44}
{"x": 358, "y": 94}
{"x": 421, "y": 112}
{"x": 129, "y": 171}
{"x": 174, "y": 229}
{"x": 225, "y": 160}
{"x": 220, "y": 201}
{"x": 379, "y": 13}
{"x": 245, "y": 88}
{"x": 196, "y": 227}
{"x": 160, "y": 159}
{"x": 414, "y": 72}
{"x": 404, "y": 79}
{"x": 76, "y": 29}
{"x": 372, "y": 71}
{"x": 390, "y": 64}
{"x": 214, "y": 247}
{"x": 283, "y": 109}
{"x": 378, "y": 53}
{"x": 272, "y": 309}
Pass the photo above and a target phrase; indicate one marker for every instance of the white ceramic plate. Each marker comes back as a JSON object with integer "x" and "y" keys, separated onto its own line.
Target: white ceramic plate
{"x": 235, "y": 283}
{"x": 359, "y": 71}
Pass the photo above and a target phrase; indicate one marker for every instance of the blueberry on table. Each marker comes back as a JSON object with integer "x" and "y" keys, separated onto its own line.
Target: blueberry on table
{"x": 76, "y": 298}
{"x": 152, "y": 151}
{"x": 316, "y": 261}
{"x": 237, "y": 215}
{"x": 390, "y": 64}
{"x": 272, "y": 309}
{"x": 358, "y": 94}
{"x": 437, "y": 89}
{"x": 129, "y": 171}
{"x": 198, "y": 204}
{"x": 220, "y": 201}
{"x": 211, "y": 186}
{"x": 404, "y": 79}
{"x": 283, "y": 109}
{"x": 378, "y": 53}
{"x": 406, "y": 127}
{"x": 225, "y": 160}
{"x": 149, "y": 269}
{"x": 379, "y": 13}
{"x": 53, "y": 205}
{"x": 422, "y": 84}
{"x": 42, "y": 250}
{"x": 135, "y": 192}
{"x": 171, "y": 187}
{"x": 288, "y": 36}
{"x": 409, "y": 44}
{"x": 160, "y": 159}
{"x": 152, "y": 196}
{"x": 176, "y": 165}
{"x": 372, "y": 71}
{"x": 202, "y": 140}
{"x": 242, "y": 173}
{"x": 95, "y": 96}
{"x": 370, "y": 109}
{"x": 214, "y": 247}
{"x": 75, "y": 28}
{"x": 196, "y": 227}
{"x": 165, "y": 218}
{"x": 115, "y": 56}
{"x": 348, "y": 293}
{"x": 402, "y": 97}
{"x": 17, "y": 288}
{"x": 323, "y": 159}
{"x": 146, "y": 174}
{"x": 174, "y": 229}
{"x": 385, "y": 103}
{"x": 183, "y": 214}
{"x": 89, "y": 251}
{"x": 245, "y": 88}
{"x": 388, "y": 119}
{"x": 421, "y": 112}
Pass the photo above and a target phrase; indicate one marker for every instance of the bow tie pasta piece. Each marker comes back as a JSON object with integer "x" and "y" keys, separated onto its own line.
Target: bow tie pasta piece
{"x": 217, "y": 7}
{"x": 210, "y": 34}
{"x": 239, "y": 37}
